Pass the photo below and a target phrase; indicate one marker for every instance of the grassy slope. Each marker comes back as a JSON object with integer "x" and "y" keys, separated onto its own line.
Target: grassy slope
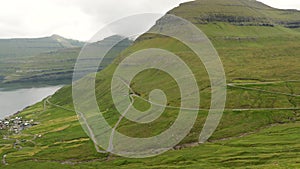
{"x": 249, "y": 54}
{"x": 63, "y": 144}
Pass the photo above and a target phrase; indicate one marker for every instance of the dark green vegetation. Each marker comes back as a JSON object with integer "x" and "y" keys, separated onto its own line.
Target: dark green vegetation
{"x": 45, "y": 61}
{"x": 260, "y": 127}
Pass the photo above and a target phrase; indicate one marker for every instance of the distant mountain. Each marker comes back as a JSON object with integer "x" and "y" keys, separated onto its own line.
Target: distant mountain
{"x": 16, "y": 52}
{"x": 14, "y": 48}
{"x": 56, "y": 66}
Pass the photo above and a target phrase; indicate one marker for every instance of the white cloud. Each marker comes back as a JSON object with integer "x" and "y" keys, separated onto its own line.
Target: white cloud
{"x": 80, "y": 19}
{"x": 77, "y": 19}
{"x": 283, "y": 4}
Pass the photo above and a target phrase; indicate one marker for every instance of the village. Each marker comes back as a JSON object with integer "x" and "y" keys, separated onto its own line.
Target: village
{"x": 16, "y": 124}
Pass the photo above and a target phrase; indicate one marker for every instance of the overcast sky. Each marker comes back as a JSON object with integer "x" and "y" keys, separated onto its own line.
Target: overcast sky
{"x": 81, "y": 19}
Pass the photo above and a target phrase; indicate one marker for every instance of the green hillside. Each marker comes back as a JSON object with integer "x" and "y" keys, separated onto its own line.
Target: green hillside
{"x": 260, "y": 127}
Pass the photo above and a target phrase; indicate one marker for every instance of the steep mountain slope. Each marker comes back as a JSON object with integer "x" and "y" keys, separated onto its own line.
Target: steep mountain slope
{"x": 260, "y": 127}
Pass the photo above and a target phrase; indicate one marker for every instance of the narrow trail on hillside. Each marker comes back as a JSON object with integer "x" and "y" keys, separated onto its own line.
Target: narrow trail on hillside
{"x": 4, "y": 160}
{"x": 91, "y": 133}
{"x": 235, "y": 85}
{"x": 241, "y": 135}
{"x": 238, "y": 85}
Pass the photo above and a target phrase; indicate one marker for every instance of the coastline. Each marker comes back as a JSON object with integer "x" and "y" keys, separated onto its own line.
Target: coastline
{"x": 15, "y": 101}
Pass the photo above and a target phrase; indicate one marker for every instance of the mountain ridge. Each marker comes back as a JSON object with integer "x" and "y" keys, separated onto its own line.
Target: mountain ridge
{"x": 245, "y": 12}
{"x": 53, "y": 66}
{"x": 22, "y": 47}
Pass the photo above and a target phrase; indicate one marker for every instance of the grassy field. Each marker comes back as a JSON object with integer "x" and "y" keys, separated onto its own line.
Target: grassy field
{"x": 254, "y": 139}
{"x": 259, "y": 129}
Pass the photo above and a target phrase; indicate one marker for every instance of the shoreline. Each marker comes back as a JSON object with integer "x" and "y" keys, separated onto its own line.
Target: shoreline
{"x": 12, "y": 102}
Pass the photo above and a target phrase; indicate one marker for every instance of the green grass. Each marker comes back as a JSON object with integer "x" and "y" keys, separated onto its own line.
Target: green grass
{"x": 275, "y": 147}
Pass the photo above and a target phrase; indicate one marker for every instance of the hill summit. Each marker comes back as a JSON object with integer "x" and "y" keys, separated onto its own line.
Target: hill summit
{"x": 20, "y": 47}
{"x": 237, "y": 12}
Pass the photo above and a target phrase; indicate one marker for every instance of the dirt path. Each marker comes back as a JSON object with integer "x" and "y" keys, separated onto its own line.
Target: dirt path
{"x": 91, "y": 133}
{"x": 4, "y": 160}
{"x": 241, "y": 135}
{"x": 235, "y": 86}
{"x": 239, "y": 86}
